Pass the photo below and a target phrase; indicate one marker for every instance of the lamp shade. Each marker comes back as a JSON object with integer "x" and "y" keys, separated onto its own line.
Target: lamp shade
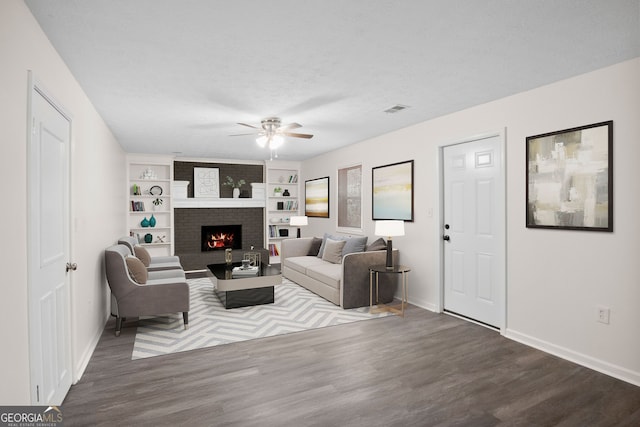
{"x": 298, "y": 221}
{"x": 389, "y": 228}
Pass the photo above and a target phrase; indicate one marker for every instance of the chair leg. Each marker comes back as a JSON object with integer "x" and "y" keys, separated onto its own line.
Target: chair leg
{"x": 185, "y": 316}
{"x": 118, "y": 325}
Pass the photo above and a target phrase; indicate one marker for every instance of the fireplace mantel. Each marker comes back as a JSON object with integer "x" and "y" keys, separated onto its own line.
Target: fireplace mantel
{"x": 219, "y": 203}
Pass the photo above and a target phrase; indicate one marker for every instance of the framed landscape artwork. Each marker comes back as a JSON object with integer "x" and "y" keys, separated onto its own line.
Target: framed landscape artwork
{"x": 350, "y": 198}
{"x": 316, "y": 197}
{"x": 570, "y": 179}
{"x": 206, "y": 182}
{"x": 392, "y": 191}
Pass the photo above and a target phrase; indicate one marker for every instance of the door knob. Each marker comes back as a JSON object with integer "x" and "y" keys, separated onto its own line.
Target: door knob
{"x": 446, "y": 237}
{"x": 72, "y": 266}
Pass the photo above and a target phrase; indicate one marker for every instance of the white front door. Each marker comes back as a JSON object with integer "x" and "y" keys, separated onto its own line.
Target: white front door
{"x": 473, "y": 232}
{"x": 48, "y": 246}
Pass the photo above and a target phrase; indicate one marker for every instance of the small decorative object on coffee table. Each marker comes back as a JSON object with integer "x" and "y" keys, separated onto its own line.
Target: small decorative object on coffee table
{"x": 254, "y": 258}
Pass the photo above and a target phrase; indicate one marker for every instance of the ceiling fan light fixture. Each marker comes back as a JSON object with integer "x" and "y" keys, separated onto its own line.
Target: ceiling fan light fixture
{"x": 262, "y": 140}
{"x": 276, "y": 141}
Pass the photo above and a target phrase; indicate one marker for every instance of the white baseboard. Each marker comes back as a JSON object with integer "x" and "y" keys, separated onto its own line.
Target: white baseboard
{"x": 422, "y": 304}
{"x": 607, "y": 368}
{"x": 82, "y": 364}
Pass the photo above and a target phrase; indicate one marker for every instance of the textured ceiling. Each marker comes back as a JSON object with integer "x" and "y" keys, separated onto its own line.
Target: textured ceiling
{"x": 177, "y": 75}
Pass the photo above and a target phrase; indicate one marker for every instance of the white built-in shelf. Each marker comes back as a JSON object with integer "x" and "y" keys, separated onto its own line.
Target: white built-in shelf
{"x": 150, "y": 228}
{"x": 162, "y": 176}
{"x": 218, "y": 203}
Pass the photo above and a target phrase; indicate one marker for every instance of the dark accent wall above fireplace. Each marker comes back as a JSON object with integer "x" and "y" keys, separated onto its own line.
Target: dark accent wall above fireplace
{"x": 183, "y": 171}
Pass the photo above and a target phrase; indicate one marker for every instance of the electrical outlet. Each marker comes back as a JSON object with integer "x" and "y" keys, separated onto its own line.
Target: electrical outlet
{"x": 603, "y": 314}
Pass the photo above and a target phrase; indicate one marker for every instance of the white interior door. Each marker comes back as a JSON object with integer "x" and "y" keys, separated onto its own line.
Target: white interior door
{"x": 473, "y": 235}
{"x": 49, "y": 331}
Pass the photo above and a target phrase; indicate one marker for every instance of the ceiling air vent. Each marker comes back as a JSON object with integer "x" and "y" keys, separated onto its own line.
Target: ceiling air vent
{"x": 396, "y": 108}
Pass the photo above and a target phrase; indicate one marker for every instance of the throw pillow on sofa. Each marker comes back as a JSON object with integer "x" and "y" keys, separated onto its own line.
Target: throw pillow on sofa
{"x": 354, "y": 244}
{"x": 315, "y": 246}
{"x": 333, "y": 251}
{"x": 137, "y": 270}
{"x": 324, "y": 242}
{"x": 142, "y": 254}
{"x": 377, "y": 245}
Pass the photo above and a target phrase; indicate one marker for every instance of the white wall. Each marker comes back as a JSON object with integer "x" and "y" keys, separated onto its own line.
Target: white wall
{"x": 97, "y": 192}
{"x": 555, "y": 278}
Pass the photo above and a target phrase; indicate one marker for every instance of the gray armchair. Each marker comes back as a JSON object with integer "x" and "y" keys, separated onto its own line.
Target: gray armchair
{"x": 157, "y": 296}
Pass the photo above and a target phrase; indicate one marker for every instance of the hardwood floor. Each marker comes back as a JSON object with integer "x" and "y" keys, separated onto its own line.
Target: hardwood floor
{"x": 424, "y": 370}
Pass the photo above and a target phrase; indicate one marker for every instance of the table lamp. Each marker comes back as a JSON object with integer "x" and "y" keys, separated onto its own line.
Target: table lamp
{"x": 389, "y": 228}
{"x": 298, "y": 221}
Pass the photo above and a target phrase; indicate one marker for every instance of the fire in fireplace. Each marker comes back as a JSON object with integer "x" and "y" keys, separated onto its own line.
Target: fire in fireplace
{"x": 215, "y": 237}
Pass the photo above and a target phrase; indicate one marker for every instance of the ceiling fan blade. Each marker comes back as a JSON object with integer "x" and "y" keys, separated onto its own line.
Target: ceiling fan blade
{"x": 243, "y": 134}
{"x": 298, "y": 135}
{"x": 289, "y": 126}
{"x": 249, "y": 126}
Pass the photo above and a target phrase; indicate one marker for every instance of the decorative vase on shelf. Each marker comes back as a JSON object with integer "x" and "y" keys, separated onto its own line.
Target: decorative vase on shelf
{"x": 236, "y": 193}
{"x": 152, "y": 221}
{"x": 286, "y": 193}
{"x": 144, "y": 222}
{"x": 148, "y": 238}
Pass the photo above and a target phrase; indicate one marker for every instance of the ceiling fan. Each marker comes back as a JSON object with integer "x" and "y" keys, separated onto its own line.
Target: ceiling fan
{"x": 271, "y": 132}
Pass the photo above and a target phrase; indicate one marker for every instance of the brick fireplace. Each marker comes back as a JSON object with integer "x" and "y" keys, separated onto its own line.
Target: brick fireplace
{"x": 188, "y": 233}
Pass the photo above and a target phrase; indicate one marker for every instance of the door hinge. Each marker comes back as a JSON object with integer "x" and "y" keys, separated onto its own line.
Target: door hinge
{"x": 37, "y": 393}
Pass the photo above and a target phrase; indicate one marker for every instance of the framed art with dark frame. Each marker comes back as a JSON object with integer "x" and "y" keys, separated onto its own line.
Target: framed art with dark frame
{"x": 392, "y": 191}
{"x": 316, "y": 197}
{"x": 570, "y": 179}
{"x": 350, "y": 198}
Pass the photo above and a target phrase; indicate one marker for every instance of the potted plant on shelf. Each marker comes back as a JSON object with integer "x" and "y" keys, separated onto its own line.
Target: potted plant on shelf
{"x": 235, "y": 185}
{"x": 277, "y": 192}
{"x": 157, "y": 203}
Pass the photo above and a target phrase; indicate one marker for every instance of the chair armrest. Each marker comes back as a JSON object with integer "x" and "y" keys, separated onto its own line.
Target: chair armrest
{"x": 355, "y": 278}
{"x": 295, "y": 247}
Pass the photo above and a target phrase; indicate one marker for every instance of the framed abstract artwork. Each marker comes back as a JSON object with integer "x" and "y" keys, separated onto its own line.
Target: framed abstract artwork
{"x": 206, "y": 182}
{"x": 392, "y": 191}
{"x": 316, "y": 197}
{"x": 570, "y": 179}
{"x": 350, "y": 198}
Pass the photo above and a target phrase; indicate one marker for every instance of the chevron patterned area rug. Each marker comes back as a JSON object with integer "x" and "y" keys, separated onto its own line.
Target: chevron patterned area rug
{"x": 210, "y": 324}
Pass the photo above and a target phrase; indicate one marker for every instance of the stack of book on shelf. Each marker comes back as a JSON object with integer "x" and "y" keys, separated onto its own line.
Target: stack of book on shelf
{"x": 244, "y": 271}
{"x": 293, "y": 179}
{"x": 273, "y": 249}
{"x": 137, "y": 206}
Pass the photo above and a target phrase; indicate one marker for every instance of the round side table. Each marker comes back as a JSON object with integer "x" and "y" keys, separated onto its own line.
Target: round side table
{"x": 376, "y": 270}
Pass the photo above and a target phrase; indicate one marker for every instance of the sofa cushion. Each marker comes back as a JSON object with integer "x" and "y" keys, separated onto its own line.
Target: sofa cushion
{"x": 142, "y": 254}
{"x": 301, "y": 263}
{"x": 324, "y": 242}
{"x": 354, "y": 244}
{"x": 315, "y": 246}
{"x": 333, "y": 250}
{"x": 137, "y": 270}
{"x": 377, "y": 245}
{"x": 327, "y": 273}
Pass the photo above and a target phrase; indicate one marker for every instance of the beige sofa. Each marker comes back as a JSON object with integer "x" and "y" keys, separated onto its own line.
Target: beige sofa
{"x": 345, "y": 284}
